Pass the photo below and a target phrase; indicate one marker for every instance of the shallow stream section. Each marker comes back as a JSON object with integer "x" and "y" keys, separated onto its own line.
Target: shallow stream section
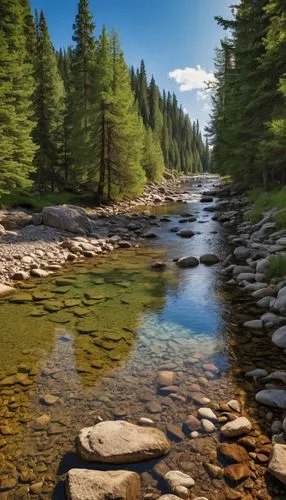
{"x": 90, "y": 341}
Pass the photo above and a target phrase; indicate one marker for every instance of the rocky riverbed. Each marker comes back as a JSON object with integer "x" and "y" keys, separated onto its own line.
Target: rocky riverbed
{"x": 150, "y": 373}
{"x": 39, "y": 244}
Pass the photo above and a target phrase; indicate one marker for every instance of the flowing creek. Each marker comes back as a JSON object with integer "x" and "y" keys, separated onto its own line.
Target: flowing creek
{"x": 90, "y": 341}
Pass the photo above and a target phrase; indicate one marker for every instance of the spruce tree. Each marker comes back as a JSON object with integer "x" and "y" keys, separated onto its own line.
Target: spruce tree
{"x": 50, "y": 111}
{"x": 16, "y": 107}
{"x": 156, "y": 117}
{"x": 153, "y": 159}
{"x": 82, "y": 85}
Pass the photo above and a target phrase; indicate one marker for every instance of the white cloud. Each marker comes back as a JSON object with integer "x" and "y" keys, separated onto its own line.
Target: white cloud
{"x": 195, "y": 79}
{"x": 190, "y": 79}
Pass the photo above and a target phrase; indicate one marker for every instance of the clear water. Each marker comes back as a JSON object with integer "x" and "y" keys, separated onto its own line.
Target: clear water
{"x": 100, "y": 354}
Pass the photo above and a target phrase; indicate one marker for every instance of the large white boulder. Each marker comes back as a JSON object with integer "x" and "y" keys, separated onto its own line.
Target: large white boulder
{"x": 119, "y": 442}
{"x": 84, "y": 484}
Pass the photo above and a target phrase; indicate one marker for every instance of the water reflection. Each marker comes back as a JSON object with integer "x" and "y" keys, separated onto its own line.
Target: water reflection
{"x": 100, "y": 337}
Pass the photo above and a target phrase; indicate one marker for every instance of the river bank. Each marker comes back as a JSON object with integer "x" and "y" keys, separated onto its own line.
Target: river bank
{"x": 133, "y": 336}
{"x": 30, "y": 247}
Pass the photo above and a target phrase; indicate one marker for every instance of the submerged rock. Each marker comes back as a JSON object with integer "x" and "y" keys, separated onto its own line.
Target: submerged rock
{"x": 120, "y": 442}
{"x": 83, "y": 484}
{"x": 186, "y": 233}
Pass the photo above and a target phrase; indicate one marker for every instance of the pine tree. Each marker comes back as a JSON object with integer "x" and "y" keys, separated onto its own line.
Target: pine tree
{"x": 153, "y": 160}
{"x": 156, "y": 117}
{"x": 16, "y": 89}
{"x": 83, "y": 83}
{"x": 142, "y": 94}
{"x": 118, "y": 125}
{"x": 50, "y": 111}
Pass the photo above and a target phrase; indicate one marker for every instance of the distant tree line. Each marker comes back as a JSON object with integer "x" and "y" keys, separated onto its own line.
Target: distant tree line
{"x": 248, "y": 122}
{"x": 80, "y": 118}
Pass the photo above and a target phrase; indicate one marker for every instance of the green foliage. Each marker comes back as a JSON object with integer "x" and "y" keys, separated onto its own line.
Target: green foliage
{"x": 277, "y": 267}
{"x": 262, "y": 201}
{"x": 153, "y": 160}
{"x": 82, "y": 93}
{"x": 35, "y": 202}
{"x": 78, "y": 119}
{"x": 247, "y": 126}
{"x": 50, "y": 112}
{"x": 16, "y": 89}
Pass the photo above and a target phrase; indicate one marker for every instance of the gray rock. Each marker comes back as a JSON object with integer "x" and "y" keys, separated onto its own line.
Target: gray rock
{"x": 209, "y": 259}
{"x": 241, "y": 253}
{"x": 257, "y": 373}
{"x": 263, "y": 292}
{"x": 270, "y": 319}
{"x": 277, "y": 464}
{"x": 262, "y": 265}
{"x": 281, "y": 241}
{"x": 278, "y": 375}
{"x": 67, "y": 218}
{"x": 237, "y": 427}
{"x": 242, "y": 269}
{"x": 186, "y": 233}
{"x": 83, "y": 484}
{"x": 264, "y": 303}
{"x": 188, "y": 262}
{"x": 279, "y": 337}
{"x": 119, "y": 442}
{"x": 275, "y": 398}
{"x": 254, "y": 324}
{"x": 250, "y": 277}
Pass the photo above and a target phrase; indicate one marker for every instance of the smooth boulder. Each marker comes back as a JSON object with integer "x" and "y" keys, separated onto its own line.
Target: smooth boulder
{"x": 275, "y": 398}
{"x": 67, "y": 218}
{"x": 119, "y": 442}
{"x": 209, "y": 259}
{"x": 188, "y": 262}
{"x": 84, "y": 484}
{"x": 279, "y": 337}
{"x": 186, "y": 233}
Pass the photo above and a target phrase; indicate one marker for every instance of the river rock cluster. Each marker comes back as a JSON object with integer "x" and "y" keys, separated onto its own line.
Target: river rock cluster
{"x": 39, "y": 244}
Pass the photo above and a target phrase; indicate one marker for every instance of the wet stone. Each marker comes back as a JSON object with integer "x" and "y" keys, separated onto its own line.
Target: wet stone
{"x": 236, "y": 472}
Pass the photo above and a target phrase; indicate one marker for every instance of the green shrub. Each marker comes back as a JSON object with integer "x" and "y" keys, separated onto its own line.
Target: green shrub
{"x": 36, "y": 202}
{"x": 277, "y": 267}
{"x": 263, "y": 201}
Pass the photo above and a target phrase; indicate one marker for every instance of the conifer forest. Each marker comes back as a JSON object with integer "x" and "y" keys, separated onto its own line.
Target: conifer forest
{"x": 80, "y": 118}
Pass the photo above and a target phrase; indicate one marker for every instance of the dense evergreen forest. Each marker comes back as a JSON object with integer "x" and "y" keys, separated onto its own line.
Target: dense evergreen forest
{"x": 79, "y": 118}
{"x": 248, "y": 123}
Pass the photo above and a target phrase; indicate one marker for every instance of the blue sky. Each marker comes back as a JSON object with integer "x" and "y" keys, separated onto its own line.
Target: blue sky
{"x": 170, "y": 35}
